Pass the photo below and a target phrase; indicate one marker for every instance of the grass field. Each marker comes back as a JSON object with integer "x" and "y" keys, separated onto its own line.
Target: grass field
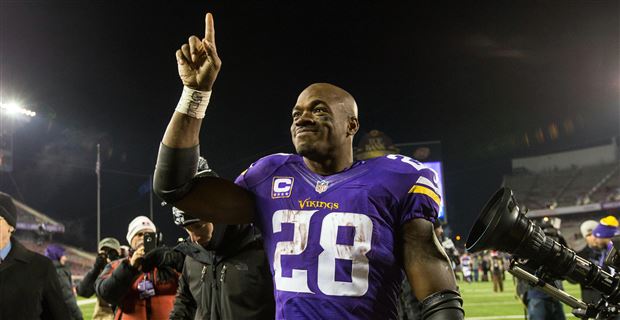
{"x": 87, "y": 305}
{"x": 480, "y": 302}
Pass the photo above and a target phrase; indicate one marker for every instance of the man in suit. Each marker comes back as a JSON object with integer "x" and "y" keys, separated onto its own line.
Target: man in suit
{"x": 30, "y": 288}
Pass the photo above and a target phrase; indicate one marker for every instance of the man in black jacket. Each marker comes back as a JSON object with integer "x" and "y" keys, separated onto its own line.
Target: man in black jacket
{"x": 29, "y": 286}
{"x": 226, "y": 273}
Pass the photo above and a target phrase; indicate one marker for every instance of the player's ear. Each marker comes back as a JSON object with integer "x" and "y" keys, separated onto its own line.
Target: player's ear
{"x": 353, "y": 126}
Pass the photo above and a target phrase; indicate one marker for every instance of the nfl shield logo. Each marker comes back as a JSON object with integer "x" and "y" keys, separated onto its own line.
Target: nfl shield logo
{"x": 321, "y": 186}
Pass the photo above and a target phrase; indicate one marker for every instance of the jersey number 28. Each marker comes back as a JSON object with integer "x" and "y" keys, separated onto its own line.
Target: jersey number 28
{"x": 326, "y": 277}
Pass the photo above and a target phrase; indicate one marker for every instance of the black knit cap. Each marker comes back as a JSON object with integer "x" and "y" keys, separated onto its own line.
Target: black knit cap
{"x": 7, "y": 209}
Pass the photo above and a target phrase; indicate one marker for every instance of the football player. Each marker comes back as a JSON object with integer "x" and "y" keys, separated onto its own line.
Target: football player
{"x": 338, "y": 233}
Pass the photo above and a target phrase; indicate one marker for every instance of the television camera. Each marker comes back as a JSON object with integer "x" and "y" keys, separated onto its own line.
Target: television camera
{"x": 503, "y": 226}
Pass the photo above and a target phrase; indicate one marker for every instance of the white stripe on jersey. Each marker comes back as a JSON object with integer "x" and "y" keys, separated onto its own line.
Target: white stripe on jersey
{"x": 427, "y": 183}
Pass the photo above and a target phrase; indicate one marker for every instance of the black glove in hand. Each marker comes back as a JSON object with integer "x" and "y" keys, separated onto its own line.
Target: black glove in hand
{"x": 100, "y": 262}
{"x": 163, "y": 257}
{"x": 153, "y": 259}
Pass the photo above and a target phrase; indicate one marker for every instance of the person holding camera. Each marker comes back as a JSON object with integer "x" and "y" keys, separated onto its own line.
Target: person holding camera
{"x": 540, "y": 305}
{"x": 592, "y": 252}
{"x": 109, "y": 250}
{"x": 143, "y": 285}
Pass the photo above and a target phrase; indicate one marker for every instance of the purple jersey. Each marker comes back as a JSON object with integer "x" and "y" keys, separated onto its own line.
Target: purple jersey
{"x": 331, "y": 240}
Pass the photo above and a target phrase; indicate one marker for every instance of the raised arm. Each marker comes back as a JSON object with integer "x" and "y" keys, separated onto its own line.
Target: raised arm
{"x": 211, "y": 199}
{"x": 429, "y": 272}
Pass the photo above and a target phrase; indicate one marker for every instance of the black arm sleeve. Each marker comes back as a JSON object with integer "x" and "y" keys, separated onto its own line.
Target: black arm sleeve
{"x": 112, "y": 286}
{"x": 443, "y": 305}
{"x": 174, "y": 171}
{"x": 86, "y": 288}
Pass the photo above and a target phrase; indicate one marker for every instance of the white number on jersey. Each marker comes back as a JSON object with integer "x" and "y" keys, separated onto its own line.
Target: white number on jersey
{"x": 327, "y": 282}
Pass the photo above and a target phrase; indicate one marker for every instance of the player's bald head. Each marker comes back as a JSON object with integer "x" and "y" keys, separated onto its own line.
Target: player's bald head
{"x": 324, "y": 123}
{"x": 335, "y": 96}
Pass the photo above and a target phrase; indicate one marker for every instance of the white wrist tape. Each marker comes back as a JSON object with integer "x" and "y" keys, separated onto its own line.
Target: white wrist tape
{"x": 193, "y": 102}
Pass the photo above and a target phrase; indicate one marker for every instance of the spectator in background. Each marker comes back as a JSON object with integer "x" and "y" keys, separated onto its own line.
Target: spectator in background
{"x": 485, "y": 266}
{"x": 448, "y": 245}
{"x": 109, "y": 250}
{"x": 476, "y": 266}
{"x": 540, "y": 305}
{"x": 56, "y": 253}
{"x": 603, "y": 232}
{"x": 466, "y": 267}
{"x": 29, "y": 286}
{"x": 497, "y": 271}
{"x": 592, "y": 253}
{"x": 142, "y": 286}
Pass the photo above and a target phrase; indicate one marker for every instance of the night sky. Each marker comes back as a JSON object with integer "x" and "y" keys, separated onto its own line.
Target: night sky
{"x": 480, "y": 77}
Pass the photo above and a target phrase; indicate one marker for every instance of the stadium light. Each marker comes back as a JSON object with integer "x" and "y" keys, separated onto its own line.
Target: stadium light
{"x": 13, "y": 108}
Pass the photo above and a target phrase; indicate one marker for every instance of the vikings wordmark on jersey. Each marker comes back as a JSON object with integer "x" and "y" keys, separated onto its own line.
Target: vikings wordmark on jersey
{"x": 332, "y": 240}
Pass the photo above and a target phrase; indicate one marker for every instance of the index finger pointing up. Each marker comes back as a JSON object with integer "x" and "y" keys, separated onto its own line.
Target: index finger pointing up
{"x": 209, "y": 29}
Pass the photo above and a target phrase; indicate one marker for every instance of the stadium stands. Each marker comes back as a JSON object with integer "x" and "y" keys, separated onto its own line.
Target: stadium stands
{"x": 36, "y": 231}
{"x": 570, "y": 178}
{"x": 569, "y": 187}
{"x": 574, "y": 185}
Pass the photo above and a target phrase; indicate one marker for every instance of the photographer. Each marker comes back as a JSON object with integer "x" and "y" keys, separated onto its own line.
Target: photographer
{"x": 109, "y": 250}
{"x": 143, "y": 285}
{"x": 540, "y": 305}
{"x": 592, "y": 253}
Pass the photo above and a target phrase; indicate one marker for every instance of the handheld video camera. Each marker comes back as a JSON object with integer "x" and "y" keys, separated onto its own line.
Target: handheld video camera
{"x": 503, "y": 226}
{"x": 110, "y": 254}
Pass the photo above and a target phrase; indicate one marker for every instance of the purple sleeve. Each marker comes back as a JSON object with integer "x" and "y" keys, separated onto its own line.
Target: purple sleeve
{"x": 240, "y": 181}
{"x": 422, "y": 199}
{"x": 419, "y": 206}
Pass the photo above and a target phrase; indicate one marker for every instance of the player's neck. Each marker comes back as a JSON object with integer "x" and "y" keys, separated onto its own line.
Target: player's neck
{"x": 329, "y": 166}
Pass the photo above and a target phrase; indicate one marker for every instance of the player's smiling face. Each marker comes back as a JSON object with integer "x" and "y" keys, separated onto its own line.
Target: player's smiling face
{"x": 320, "y": 124}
